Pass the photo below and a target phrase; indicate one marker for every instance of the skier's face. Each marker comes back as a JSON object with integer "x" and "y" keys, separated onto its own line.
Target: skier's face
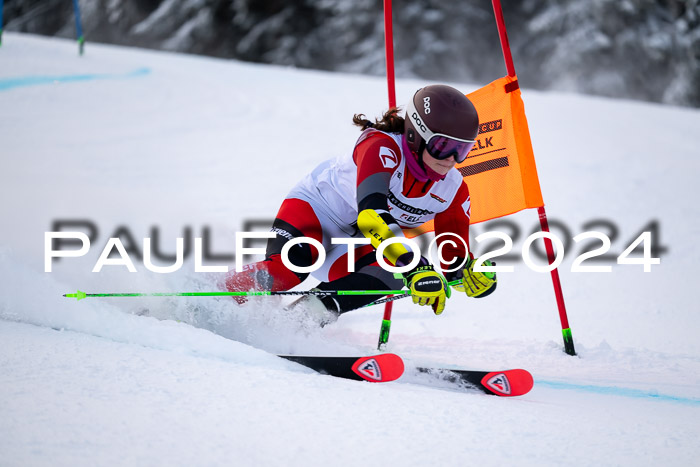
{"x": 441, "y": 167}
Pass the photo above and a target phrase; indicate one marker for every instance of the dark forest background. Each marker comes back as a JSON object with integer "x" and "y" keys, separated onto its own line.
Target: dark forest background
{"x": 636, "y": 49}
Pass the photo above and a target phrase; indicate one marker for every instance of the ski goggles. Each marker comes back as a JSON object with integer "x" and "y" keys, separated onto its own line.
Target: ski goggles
{"x": 443, "y": 147}
{"x": 439, "y": 146}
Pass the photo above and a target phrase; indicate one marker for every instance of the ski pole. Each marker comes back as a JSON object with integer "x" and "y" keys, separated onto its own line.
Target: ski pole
{"x": 397, "y": 294}
{"x": 81, "y": 295}
{"x": 387, "y": 299}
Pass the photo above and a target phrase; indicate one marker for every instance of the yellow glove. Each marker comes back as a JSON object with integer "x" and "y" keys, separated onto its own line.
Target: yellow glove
{"x": 428, "y": 287}
{"x": 475, "y": 284}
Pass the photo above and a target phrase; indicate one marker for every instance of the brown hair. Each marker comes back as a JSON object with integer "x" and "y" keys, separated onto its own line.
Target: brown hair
{"x": 390, "y": 121}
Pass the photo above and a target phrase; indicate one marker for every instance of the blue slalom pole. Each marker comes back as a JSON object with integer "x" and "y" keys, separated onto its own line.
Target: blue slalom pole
{"x": 1, "y": 5}
{"x": 78, "y": 26}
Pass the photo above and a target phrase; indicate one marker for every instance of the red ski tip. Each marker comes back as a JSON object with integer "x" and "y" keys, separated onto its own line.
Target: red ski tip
{"x": 508, "y": 383}
{"x": 379, "y": 368}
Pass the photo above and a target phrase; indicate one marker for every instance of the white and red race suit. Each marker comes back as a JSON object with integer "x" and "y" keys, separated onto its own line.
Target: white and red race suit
{"x": 325, "y": 205}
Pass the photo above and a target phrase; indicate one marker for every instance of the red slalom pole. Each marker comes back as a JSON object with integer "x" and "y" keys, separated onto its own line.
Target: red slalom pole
{"x": 565, "y": 329}
{"x": 386, "y": 326}
{"x": 505, "y": 45}
{"x": 389, "y": 47}
{"x": 544, "y": 225}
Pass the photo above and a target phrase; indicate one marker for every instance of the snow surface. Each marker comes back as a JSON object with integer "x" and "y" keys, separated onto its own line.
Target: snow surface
{"x": 139, "y": 139}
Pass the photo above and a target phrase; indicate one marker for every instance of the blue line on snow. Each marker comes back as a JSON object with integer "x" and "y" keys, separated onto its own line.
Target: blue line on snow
{"x": 10, "y": 83}
{"x": 618, "y": 391}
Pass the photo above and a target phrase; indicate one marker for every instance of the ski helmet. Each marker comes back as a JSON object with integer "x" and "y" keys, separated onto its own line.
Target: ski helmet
{"x": 443, "y": 120}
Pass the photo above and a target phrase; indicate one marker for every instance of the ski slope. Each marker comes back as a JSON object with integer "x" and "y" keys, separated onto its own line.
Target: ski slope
{"x": 137, "y": 140}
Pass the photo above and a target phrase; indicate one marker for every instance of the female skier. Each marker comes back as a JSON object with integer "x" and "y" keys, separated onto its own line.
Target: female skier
{"x": 401, "y": 173}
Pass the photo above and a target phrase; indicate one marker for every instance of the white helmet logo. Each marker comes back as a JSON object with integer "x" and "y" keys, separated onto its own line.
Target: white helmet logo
{"x": 426, "y": 104}
{"x": 388, "y": 157}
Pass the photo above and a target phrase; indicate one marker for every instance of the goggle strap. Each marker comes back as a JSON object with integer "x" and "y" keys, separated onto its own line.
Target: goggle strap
{"x": 417, "y": 121}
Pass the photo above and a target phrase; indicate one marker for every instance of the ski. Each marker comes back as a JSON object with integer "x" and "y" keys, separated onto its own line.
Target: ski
{"x": 374, "y": 368}
{"x": 506, "y": 383}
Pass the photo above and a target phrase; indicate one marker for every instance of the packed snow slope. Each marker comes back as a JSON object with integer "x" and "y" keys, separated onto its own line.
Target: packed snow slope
{"x": 143, "y": 144}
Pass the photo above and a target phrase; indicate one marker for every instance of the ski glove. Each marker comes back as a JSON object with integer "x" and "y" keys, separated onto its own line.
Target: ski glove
{"x": 428, "y": 287}
{"x": 475, "y": 284}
